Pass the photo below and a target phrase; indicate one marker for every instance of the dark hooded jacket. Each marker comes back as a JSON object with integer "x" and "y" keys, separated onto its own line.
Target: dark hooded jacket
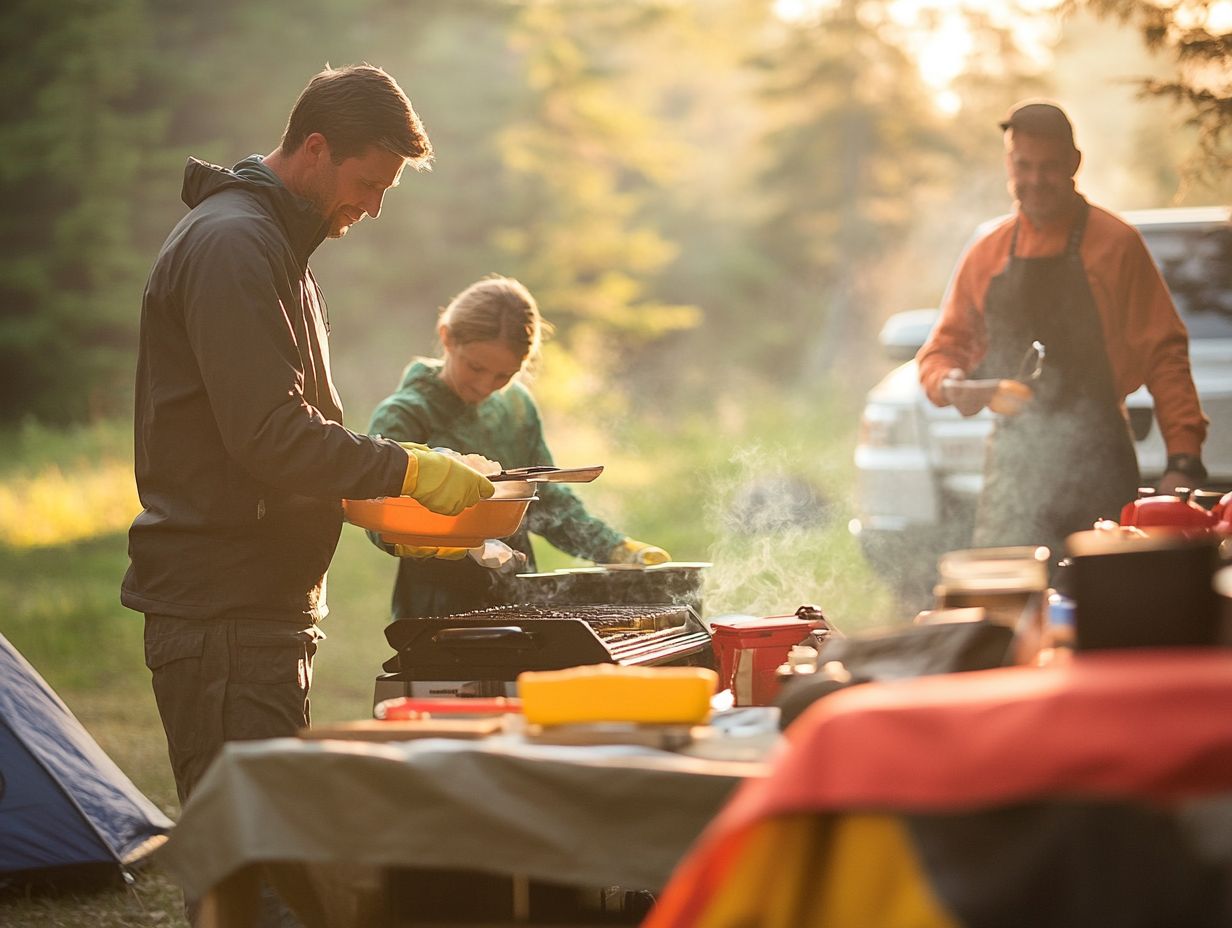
{"x": 241, "y": 456}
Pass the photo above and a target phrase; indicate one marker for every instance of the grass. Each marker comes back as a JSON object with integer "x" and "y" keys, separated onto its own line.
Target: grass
{"x": 769, "y": 514}
{"x": 65, "y": 486}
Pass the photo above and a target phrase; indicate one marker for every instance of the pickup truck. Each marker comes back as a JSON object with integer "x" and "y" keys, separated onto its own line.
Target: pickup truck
{"x": 920, "y": 467}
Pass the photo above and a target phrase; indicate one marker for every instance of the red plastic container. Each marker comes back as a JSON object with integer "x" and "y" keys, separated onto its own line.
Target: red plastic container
{"x": 749, "y": 651}
{"x": 409, "y": 708}
{"x": 1168, "y": 514}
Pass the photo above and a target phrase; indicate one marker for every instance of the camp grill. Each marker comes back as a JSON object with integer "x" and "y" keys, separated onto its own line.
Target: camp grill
{"x": 481, "y": 653}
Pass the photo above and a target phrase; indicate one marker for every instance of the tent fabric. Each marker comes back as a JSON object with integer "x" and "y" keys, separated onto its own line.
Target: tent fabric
{"x": 1127, "y": 727}
{"x": 63, "y": 801}
{"x": 1058, "y": 863}
{"x": 1132, "y": 723}
{"x": 809, "y": 871}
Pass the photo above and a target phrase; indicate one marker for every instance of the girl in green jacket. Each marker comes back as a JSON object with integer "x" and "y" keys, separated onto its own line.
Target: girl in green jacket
{"x": 471, "y": 402}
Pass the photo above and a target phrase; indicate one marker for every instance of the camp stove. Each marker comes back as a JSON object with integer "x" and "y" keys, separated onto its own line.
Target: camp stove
{"x": 481, "y": 653}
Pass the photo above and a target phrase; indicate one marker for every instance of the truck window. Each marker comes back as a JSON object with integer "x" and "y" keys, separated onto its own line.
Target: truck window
{"x": 1196, "y": 262}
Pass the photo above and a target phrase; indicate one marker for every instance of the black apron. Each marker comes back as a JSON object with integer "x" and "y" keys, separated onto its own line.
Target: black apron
{"x": 1068, "y": 459}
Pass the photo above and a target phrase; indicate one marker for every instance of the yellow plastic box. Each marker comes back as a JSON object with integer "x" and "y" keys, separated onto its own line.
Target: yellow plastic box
{"x": 611, "y": 693}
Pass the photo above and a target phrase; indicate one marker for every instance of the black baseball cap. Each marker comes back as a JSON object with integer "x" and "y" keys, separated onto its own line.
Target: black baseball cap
{"x": 1039, "y": 117}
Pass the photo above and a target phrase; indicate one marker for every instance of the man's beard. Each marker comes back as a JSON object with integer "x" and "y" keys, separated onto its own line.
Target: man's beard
{"x": 321, "y": 194}
{"x": 1044, "y": 203}
{"x": 340, "y": 223}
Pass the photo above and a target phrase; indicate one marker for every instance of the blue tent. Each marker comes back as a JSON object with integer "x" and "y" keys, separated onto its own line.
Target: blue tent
{"x": 63, "y": 802}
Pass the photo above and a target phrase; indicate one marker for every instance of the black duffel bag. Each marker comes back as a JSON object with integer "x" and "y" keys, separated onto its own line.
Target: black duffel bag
{"x": 896, "y": 654}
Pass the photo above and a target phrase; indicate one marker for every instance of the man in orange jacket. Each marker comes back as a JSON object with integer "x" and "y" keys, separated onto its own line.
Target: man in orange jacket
{"x": 1080, "y": 281}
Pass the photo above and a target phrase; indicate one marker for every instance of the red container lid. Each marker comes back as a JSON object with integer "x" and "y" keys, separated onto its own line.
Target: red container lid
{"x": 1167, "y": 512}
{"x": 773, "y": 627}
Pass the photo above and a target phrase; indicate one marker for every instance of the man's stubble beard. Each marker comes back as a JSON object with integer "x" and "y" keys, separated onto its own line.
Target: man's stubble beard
{"x": 1058, "y": 201}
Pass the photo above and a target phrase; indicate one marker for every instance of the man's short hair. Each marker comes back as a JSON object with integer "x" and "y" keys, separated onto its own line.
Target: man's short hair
{"x": 355, "y": 108}
{"x": 1040, "y": 117}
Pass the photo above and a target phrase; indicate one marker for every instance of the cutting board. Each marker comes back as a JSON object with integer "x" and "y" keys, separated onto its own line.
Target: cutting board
{"x": 373, "y": 730}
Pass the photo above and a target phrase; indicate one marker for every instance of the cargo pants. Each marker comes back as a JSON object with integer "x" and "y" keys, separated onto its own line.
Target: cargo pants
{"x": 218, "y": 680}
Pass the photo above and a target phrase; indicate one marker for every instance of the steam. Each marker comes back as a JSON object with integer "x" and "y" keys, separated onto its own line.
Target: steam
{"x": 778, "y": 545}
{"x": 1073, "y": 496}
{"x": 598, "y": 587}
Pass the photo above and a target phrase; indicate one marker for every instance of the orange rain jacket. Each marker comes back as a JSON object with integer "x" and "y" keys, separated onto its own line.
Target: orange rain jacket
{"x": 1146, "y": 340}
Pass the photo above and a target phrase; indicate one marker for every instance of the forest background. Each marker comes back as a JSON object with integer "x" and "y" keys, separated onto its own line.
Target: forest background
{"x": 701, "y": 194}
{"x": 716, "y": 202}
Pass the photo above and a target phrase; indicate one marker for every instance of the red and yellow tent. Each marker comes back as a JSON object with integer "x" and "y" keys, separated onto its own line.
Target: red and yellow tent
{"x": 1087, "y": 794}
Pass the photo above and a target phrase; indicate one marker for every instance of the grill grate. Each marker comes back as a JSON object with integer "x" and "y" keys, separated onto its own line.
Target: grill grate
{"x": 598, "y": 616}
{"x": 605, "y": 620}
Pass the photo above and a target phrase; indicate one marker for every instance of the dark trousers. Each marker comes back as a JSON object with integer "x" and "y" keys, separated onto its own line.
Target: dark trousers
{"x": 219, "y": 680}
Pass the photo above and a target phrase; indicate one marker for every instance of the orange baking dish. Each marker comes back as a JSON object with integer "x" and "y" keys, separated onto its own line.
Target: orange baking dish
{"x": 401, "y": 520}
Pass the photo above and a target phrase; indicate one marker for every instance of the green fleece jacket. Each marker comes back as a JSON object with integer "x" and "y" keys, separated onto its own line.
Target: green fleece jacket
{"x": 505, "y": 428}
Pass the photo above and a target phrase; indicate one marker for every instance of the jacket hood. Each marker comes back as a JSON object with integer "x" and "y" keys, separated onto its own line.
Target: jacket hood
{"x": 306, "y": 228}
{"x": 421, "y": 371}
{"x": 422, "y": 377}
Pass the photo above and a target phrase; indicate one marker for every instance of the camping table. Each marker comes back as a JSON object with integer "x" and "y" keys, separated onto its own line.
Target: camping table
{"x": 322, "y": 819}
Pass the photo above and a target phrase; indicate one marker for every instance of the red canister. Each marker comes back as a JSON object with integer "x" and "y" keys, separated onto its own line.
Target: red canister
{"x": 1169, "y": 514}
{"x": 750, "y": 650}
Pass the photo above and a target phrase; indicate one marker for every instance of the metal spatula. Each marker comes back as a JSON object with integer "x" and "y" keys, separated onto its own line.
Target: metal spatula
{"x": 546, "y": 474}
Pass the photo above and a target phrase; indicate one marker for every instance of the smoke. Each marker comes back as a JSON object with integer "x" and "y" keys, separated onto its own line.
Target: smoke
{"x": 779, "y": 544}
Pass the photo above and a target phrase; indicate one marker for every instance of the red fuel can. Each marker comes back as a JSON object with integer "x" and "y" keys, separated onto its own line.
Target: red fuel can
{"x": 749, "y": 651}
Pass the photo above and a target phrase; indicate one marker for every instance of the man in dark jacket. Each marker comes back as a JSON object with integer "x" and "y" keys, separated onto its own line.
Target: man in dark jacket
{"x": 241, "y": 456}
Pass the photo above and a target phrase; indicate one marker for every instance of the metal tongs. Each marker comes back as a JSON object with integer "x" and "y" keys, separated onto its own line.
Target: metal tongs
{"x": 1032, "y": 365}
{"x": 544, "y": 473}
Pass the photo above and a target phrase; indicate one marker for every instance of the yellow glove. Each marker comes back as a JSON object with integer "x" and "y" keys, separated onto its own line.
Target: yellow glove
{"x": 421, "y": 553}
{"x": 631, "y": 551}
{"x": 442, "y": 482}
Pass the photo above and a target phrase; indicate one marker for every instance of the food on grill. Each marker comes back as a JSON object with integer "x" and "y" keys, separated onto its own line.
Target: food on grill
{"x": 1010, "y": 398}
{"x": 674, "y": 582}
{"x": 612, "y": 693}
